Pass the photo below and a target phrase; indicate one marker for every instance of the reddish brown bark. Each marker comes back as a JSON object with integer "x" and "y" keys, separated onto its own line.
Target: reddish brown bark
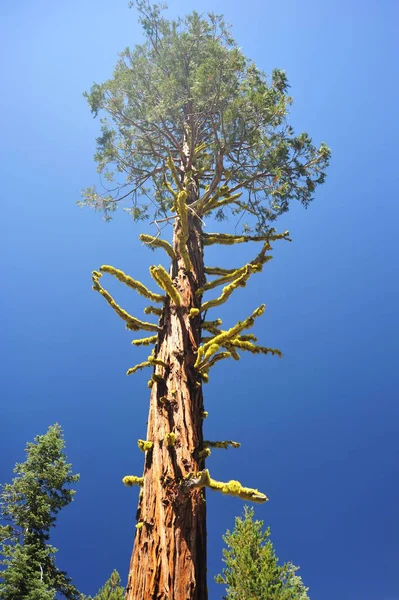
{"x": 169, "y": 555}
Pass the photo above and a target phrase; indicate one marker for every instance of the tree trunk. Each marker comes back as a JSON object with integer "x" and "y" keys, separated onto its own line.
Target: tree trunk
{"x": 169, "y": 555}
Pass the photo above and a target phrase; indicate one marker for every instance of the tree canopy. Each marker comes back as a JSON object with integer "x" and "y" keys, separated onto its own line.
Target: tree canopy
{"x": 29, "y": 507}
{"x": 188, "y": 104}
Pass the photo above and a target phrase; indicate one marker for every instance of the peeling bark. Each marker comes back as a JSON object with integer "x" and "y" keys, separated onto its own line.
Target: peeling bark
{"x": 169, "y": 555}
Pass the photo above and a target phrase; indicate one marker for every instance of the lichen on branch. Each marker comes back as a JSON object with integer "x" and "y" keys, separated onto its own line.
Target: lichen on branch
{"x": 138, "y": 367}
{"x": 182, "y": 235}
{"x": 145, "y": 445}
{"x": 229, "y": 239}
{"x": 211, "y": 347}
{"x": 131, "y": 480}
{"x": 240, "y": 281}
{"x": 132, "y": 323}
{"x": 163, "y": 279}
{"x": 254, "y": 349}
{"x": 132, "y": 283}
{"x": 156, "y": 242}
{"x": 224, "y": 444}
{"x": 231, "y": 488}
{"x": 145, "y": 341}
{"x": 153, "y": 310}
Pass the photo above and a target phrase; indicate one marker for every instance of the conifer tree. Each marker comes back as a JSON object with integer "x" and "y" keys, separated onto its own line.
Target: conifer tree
{"x": 252, "y": 569}
{"x": 29, "y": 509}
{"x": 193, "y": 131}
{"x": 112, "y": 589}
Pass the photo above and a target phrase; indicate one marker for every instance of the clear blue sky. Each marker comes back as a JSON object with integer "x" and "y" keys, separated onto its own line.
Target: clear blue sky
{"x": 319, "y": 429}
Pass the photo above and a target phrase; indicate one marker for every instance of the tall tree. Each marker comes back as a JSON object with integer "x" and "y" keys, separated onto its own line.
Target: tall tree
{"x": 29, "y": 507}
{"x": 192, "y": 129}
{"x": 252, "y": 569}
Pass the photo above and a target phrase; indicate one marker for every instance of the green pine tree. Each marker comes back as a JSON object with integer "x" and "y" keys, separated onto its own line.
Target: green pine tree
{"x": 29, "y": 508}
{"x": 252, "y": 571}
{"x": 112, "y": 589}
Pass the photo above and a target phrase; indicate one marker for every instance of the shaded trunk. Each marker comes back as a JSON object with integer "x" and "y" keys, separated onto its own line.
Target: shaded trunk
{"x": 169, "y": 555}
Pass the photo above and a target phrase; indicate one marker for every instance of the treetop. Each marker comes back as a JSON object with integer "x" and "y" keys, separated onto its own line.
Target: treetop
{"x": 186, "y": 110}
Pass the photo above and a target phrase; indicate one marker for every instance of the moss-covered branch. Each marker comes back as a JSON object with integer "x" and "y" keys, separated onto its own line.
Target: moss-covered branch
{"x": 156, "y": 361}
{"x": 212, "y": 326}
{"x": 165, "y": 282}
{"x": 254, "y": 349}
{"x": 218, "y": 271}
{"x": 228, "y": 239}
{"x": 225, "y": 444}
{"x": 145, "y": 445}
{"x": 131, "y": 480}
{"x": 206, "y": 350}
{"x": 174, "y": 173}
{"x": 131, "y": 322}
{"x": 138, "y": 367}
{"x": 132, "y": 283}
{"x": 231, "y": 488}
{"x": 205, "y": 365}
{"x": 145, "y": 341}
{"x": 153, "y": 310}
{"x": 221, "y": 198}
{"x": 181, "y": 207}
{"x": 158, "y": 243}
{"x": 232, "y": 274}
{"x": 240, "y": 281}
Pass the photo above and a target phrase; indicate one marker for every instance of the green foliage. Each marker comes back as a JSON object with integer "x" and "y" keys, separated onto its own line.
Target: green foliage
{"x": 188, "y": 104}
{"x": 112, "y": 590}
{"x": 29, "y": 506}
{"x": 252, "y": 570}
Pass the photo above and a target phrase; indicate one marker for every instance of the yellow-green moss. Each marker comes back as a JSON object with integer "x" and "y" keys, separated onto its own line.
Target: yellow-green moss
{"x": 132, "y": 283}
{"x": 157, "y": 378}
{"x": 139, "y": 524}
{"x": 205, "y": 453}
{"x": 131, "y": 322}
{"x": 156, "y": 361}
{"x": 225, "y": 444}
{"x": 181, "y": 207}
{"x": 226, "y": 336}
{"x": 145, "y": 341}
{"x": 153, "y": 310}
{"x": 254, "y": 349}
{"x": 164, "y": 281}
{"x": 194, "y": 312}
{"x": 240, "y": 281}
{"x": 138, "y": 367}
{"x": 144, "y": 445}
{"x": 255, "y": 266}
{"x": 218, "y": 271}
{"x": 206, "y": 365}
{"x": 174, "y": 173}
{"x": 204, "y": 414}
{"x": 131, "y": 480}
{"x": 170, "y": 439}
{"x": 216, "y": 202}
{"x": 158, "y": 243}
{"x": 212, "y": 326}
{"x": 229, "y": 239}
{"x": 231, "y": 488}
